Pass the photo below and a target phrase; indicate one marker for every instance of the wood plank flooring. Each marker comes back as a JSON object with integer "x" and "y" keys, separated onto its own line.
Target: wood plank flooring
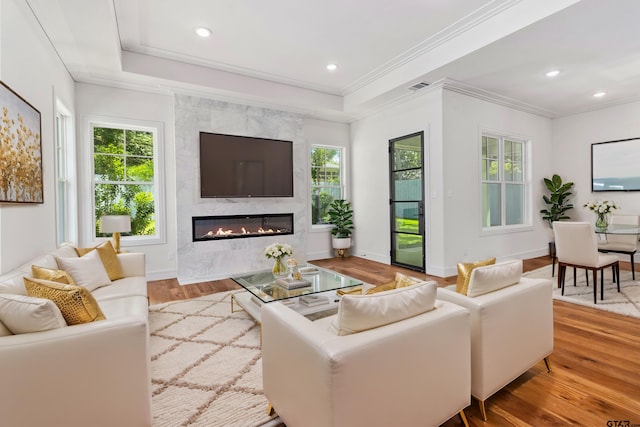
{"x": 595, "y": 377}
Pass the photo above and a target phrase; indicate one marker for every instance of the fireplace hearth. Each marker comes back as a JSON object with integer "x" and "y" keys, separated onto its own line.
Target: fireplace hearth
{"x": 206, "y": 228}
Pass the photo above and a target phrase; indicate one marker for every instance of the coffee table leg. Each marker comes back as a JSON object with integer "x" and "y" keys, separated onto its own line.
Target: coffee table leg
{"x": 233, "y": 298}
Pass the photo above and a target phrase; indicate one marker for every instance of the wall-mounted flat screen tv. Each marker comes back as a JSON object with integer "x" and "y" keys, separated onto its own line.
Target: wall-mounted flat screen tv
{"x": 615, "y": 165}
{"x": 239, "y": 166}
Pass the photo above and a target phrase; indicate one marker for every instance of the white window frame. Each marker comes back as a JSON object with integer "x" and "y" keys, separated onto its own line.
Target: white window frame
{"x": 66, "y": 176}
{"x": 343, "y": 184}
{"x": 527, "y": 223}
{"x": 156, "y": 128}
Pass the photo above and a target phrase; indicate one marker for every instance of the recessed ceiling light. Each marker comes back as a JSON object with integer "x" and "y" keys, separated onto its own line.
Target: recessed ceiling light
{"x": 553, "y": 73}
{"x": 599, "y": 94}
{"x": 332, "y": 67}
{"x": 202, "y": 31}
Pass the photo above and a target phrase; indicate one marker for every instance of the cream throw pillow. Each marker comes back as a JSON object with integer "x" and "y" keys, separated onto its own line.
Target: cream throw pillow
{"x": 109, "y": 259}
{"x": 87, "y": 271}
{"x": 360, "y": 313}
{"x": 464, "y": 273}
{"x": 493, "y": 277}
{"x": 24, "y": 314}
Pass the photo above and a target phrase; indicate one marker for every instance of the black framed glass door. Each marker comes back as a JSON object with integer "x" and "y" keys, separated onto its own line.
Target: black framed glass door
{"x": 406, "y": 170}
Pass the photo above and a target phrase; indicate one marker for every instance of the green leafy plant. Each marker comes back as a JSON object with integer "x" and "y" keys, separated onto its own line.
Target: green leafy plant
{"x": 557, "y": 200}
{"x": 340, "y": 214}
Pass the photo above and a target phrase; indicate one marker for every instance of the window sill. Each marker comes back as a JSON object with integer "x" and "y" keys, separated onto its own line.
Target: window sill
{"x": 505, "y": 230}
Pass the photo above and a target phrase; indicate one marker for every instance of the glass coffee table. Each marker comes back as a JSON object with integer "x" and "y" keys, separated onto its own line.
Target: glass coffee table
{"x": 262, "y": 288}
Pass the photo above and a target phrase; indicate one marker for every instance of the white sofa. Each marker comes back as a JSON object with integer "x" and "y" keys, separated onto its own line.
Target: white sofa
{"x": 511, "y": 327}
{"x": 415, "y": 371}
{"x": 91, "y": 374}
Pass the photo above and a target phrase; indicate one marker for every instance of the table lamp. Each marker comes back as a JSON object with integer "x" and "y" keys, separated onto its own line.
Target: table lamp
{"x": 115, "y": 224}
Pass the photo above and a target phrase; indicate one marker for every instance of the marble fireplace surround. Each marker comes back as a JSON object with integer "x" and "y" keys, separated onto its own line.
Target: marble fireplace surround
{"x": 216, "y": 259}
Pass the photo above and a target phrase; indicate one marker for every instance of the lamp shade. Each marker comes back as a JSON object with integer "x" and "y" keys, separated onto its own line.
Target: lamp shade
{"x": 115, "y": 223}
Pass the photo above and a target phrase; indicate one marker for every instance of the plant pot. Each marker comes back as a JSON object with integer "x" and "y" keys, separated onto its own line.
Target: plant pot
{"x": 341, "y": 242}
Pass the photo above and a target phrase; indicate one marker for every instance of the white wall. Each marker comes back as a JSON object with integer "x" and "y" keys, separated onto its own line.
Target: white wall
{"x": 321, "y": 132}
{"x": 93, "y": 101}
{"x": 464, "y": 119}
{"x": 452, "y": 123}
{"x": 30, "y": 67}
{"x": 370, "y": 169}
{"x": 571, "y": 157}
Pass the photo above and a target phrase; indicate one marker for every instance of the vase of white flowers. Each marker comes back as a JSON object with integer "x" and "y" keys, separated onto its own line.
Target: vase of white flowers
{"x": 278, "y": 251}
{"x": 602, "y": 210}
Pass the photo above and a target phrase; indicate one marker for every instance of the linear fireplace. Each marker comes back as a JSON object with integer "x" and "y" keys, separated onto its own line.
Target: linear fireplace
{"x": 240, "y": 226}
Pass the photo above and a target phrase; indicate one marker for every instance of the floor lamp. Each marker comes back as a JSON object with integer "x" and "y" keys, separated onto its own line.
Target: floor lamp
{"x": 115, "y": 224}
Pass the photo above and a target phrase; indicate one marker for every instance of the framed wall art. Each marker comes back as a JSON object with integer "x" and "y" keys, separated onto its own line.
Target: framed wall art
{"x": 614, "y": 165}
{"x": 20, "y": 150}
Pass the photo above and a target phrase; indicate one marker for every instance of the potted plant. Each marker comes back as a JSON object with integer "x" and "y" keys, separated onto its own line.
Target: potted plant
{"x": 340, "y": 214}
{"x": 557, "y": 202}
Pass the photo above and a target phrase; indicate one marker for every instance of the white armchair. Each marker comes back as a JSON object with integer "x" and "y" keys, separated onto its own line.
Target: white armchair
{"x": 511, "y": 331}
{"x": 409, "y": 373}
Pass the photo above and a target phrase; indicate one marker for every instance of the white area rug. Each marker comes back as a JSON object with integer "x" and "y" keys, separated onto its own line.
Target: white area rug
{"x": 206, "y": 365}
{"x": 626, "y": 302}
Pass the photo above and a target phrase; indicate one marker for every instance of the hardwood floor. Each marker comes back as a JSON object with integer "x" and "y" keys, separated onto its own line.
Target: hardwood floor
{"x": 595, "y": 377}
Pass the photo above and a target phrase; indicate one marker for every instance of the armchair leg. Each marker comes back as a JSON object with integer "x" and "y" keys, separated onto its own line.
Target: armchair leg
{"x": 482, "y": 410}
{"x": 463, "y": 417}
{"x": 547, "y": 363}
{"x": 270, "y": 410}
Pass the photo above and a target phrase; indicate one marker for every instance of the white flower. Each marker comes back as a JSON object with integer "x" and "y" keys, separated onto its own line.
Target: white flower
{"x": 278, "y": 250}
{"x": 604, "y": 207}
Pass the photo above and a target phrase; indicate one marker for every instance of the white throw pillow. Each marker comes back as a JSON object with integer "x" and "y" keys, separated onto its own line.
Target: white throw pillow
{"x": 357, "y": 313}
{"x": 493, "y": 277}
{"x": 23, "y": 314}
{"x": 87, "y": 271}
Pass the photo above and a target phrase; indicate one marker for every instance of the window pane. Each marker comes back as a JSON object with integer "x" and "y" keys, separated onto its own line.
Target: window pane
{"x": 407, "y": 154}
{"x": 127, "y": 199}
{"x": 106, "y": 140}
{"x": 514, "y": 204}
{"x": 326, "y": 181}
{"x": 408, "y": 185}
{"x": 491, "y": 205}
{"x": 139, "y": 143}
{"x": 139, "y": 169}
{"x": 108, "y": 167}
{"x": 406, "y": 215}
{"x": 490, "y": 147}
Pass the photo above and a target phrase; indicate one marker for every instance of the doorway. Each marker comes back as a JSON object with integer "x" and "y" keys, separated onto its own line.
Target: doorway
{"x": 406, "y": 204}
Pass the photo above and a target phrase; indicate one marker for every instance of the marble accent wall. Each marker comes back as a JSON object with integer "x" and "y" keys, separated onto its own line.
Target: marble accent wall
{"x": 202, "y": 261}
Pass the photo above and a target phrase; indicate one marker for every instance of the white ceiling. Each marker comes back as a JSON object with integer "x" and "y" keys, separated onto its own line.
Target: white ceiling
{"x": 274, "y": 53}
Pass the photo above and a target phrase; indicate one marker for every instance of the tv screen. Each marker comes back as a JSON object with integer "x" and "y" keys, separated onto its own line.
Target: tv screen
{"x": 240, "y": 166}
{"x": 614, "y": 165}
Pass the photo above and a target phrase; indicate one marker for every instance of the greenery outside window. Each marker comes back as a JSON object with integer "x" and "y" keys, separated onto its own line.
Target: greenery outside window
{"x": 327, "y": 183}
{"x": 125, "y": 177}
{"x": 504, "y": 182}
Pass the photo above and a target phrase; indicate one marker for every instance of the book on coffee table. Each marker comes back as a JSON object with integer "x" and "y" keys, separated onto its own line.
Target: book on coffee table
{"x": 313, "y": 300}
{"x": 289, "y": 283}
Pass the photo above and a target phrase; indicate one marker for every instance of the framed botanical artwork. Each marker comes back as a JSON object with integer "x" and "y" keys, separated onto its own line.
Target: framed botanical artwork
{"x": 20, "y": 150}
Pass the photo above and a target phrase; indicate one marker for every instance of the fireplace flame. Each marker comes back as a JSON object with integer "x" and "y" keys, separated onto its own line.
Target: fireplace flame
{"x": 229, "y": 232}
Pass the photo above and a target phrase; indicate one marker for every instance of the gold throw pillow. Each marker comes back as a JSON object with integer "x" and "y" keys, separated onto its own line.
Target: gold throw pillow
{"x": 464, "y": 273}
{"x": 402, "y": 280}
{"x": 109, "y": 259}
{"x": 52, "y": 274}
{"x": 381, "y": 288}
{"x": 76, "y": 304}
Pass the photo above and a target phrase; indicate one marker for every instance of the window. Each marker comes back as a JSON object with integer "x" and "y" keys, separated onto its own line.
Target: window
{"x": 504, "y": 182}
{"x": 125, "y": 178}
{"x": 66, "y": 218}
{"x": 327, "y": 183}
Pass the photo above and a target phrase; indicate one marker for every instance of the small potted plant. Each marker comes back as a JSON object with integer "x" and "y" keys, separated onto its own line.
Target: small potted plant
{"x": 558, "y": 204}
{"x": 340, "y": 214}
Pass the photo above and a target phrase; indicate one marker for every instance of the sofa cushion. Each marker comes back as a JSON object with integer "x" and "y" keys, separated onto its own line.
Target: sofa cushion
{"x": 464, "y": 273}
{"x": 128, "y": 286}
{"x": 87, "y": 271}
{"x": 493, "y": 277}
{"x": 109, "y": 259}
{"x": 24, "y": 314}
{"x": 14, "y": 285}
{"x": 4, "y": 331}
{"x": 126, "y": 307}
{"x": 75, "y": 302}
{"x": 54, "y": 275}
{"x": 360, "y": 313}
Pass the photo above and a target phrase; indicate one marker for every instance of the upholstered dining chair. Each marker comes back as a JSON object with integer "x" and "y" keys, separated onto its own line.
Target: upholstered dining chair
{"x": 622, "y": 243}
{"x": 577, "y": 246}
